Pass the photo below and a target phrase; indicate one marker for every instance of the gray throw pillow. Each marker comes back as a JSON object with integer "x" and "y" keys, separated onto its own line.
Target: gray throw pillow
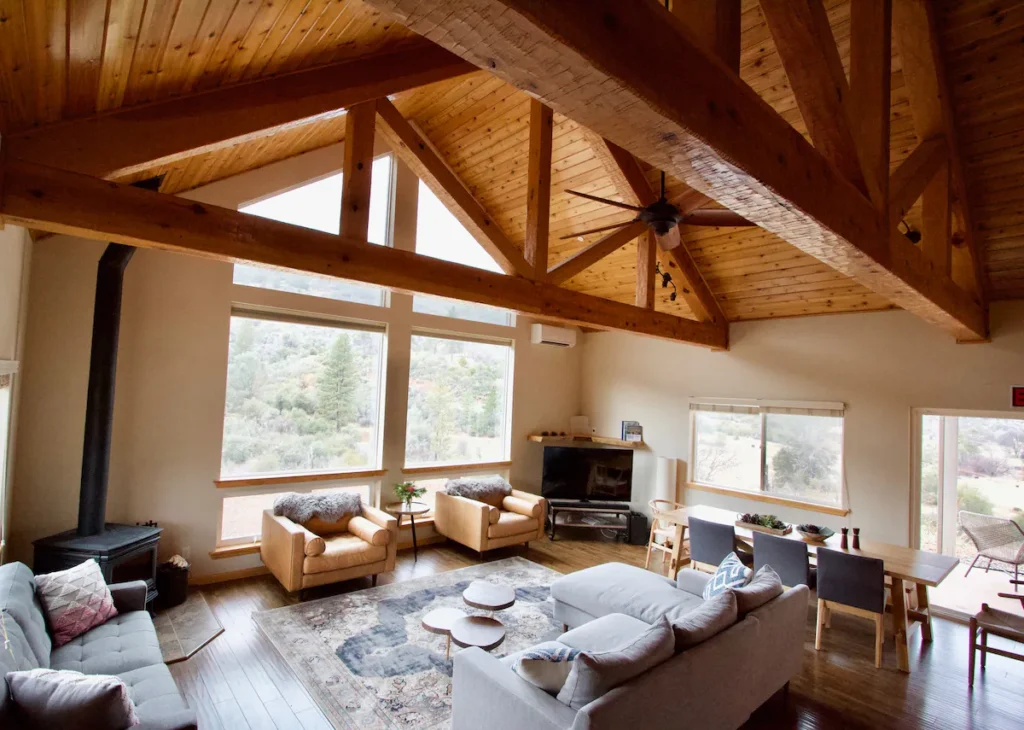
{"x": 763, "y": 587}
{"x": 489, "y": 490}
{"x": 710, "y": 618}
{"x": 66, "y": 699}
{"x": 594, "y": 674}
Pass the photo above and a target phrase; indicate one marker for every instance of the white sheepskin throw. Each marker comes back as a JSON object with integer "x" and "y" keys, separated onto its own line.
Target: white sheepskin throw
{"x": 489, "y": 490}
{"x": 328, "y": 507}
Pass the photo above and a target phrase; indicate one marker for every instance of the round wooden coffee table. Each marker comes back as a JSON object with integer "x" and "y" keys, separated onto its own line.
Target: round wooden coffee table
{"x": 481, "y": 631}
{"x": 488, "y": 596}
{"x": 440, "y": 621}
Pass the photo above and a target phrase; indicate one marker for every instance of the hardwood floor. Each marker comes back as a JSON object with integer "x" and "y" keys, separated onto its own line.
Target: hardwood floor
{"x": 239, "y": 681}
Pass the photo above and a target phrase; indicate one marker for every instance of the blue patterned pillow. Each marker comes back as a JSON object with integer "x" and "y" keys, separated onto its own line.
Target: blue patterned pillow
{"x": 730, "y": 574}
{"x": 546, "y": 666}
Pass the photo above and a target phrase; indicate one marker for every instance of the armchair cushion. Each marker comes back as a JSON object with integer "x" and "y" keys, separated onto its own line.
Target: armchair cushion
{"x": 323, "y": 528}
{"x": 510, "y": 523}
{"x": 493, "y": 515}
{"x": 315, "y": 545}
{"x": 521, "y": 507}
{"x": 366, "y": 530}
{"x": 344, "y": 551}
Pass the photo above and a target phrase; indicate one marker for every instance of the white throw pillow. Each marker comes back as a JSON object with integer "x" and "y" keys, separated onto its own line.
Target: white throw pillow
{"x": 546, "y": 666}
{"x": 51, "y": 698}
{"x": 731, "y": 573}
{"x": 75, "y": 600}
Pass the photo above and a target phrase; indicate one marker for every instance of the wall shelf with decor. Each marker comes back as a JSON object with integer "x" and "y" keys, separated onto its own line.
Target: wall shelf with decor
{"x": 582, "y": 440}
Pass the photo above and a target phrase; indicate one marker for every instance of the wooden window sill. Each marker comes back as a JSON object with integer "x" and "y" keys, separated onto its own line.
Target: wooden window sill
{"x": 769, "y": 499}
{"x": 333, "y": 476}
{"x": 446, "y": 468}
{"x": 234, "y": 551}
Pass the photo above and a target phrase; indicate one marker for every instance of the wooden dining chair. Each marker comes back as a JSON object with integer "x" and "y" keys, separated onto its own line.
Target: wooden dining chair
{"x": 666, "y": 532}
{"x": 788, "y": 558}
{"x": 851, "y": 584}
{"x": 998, "y": 623}
{"x": 711, "y": 542}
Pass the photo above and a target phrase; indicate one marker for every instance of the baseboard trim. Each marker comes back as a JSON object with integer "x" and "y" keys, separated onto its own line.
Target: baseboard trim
{"x": 210, "y": 579}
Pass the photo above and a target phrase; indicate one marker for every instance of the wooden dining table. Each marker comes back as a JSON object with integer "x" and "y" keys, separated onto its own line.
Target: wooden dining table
{"x": 904, "y": 566}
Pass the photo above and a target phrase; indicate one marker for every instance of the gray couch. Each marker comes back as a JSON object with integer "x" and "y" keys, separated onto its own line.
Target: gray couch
{"x": 716, "y": 684}
{"x": 125, "y": 646}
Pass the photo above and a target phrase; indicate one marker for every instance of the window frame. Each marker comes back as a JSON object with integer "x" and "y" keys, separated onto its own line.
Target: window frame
{"x": 8, "y": 368}
{"x": 765, "y": 407}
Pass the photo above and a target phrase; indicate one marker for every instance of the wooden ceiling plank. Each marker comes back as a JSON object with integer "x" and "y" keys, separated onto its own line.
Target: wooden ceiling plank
{"x": 908, "y": 181}
{"x": 129, "y": 140}
{"x": 811, "y": 58}
{"x": 64, "y": 202}
{"x": 916, "y": 33}
{"x": 357, "y": 171}
{"x": 538, "y": 201}
{"x": 870, "y": 104}
{"x": 87, "y": 21}
{"x": 590, "y": 255}
{"x": 123, "y": 24}
{"x": 47, "y": 24}
{"x": 416, "y": 152}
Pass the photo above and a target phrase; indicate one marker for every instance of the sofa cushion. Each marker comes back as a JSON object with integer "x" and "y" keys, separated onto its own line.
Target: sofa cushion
{"x": 17, "y": 657}
{"x": 18, "y": 598}
{"x": 596, "y": 673}
{"x": 620, "y": 588}
{"x": 763, "y": 587}
{"x": 75, "y": 600}
{"x": 156, "y": 697}
{"x": 127, "y": 641}
{"x": 605, "y": 633}
{"x": 712, "y": 617}
{"x": 510, "y": 523}
{"x": 692, "y": 581}
{"x": 731, "y": 573}
{"x": 62, "y": 698}
{"x": 546, "y": 666}
{"x": 344, "y": 551}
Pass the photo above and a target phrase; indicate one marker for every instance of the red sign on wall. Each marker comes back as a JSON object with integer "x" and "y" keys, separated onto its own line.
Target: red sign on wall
{"x": 1018, "y": 396}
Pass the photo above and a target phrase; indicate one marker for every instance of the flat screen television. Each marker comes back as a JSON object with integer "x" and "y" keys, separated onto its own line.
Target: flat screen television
{"x": 587, "y": 474}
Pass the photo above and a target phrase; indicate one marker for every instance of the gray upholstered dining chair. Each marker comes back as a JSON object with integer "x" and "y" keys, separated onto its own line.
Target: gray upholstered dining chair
{"x": 788, "y": 558}
{"x": 851, "y": 584}
{"x": 710, "y": 542}
{"x": 996, "y": 538}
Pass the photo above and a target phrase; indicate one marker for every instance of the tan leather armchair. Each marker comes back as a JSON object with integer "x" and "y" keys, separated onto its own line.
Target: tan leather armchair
{"x": 480, "y": 526}
{"x": 318, "y": 553}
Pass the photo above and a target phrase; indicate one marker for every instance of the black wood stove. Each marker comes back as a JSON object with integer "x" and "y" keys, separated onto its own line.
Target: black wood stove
{"x": 124, "y": 552}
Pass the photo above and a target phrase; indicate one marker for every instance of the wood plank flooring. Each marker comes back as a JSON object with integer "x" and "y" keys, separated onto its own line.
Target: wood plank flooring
{"x": 240, "y": 682}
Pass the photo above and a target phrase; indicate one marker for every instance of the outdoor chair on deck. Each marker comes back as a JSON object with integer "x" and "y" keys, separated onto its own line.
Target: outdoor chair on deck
{"x": 997, "y": 539}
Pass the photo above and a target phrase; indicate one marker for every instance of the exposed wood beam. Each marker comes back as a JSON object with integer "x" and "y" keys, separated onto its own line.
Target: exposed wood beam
{"x": 538, "y": 195}
{"x": 715, "y": 24}
{"x": 587, "y": 257}
{"x": 908, "y": 181}
{"x": 65, "y": 202}
{"x": 869, "y": 99}
{"x": 936, "y": 230}
{"x": 811, "y": 58}
{"x": 630, "y": 72}
{"x": 133, "y": 139}
{"x": 924, "y": 73}
{"x": 646, "y": 267}
{"x": 415, "y": 150}
{"x": 358, "y": 169}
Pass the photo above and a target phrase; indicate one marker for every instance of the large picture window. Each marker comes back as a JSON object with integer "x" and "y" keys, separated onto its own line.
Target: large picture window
{"x": 794, "y": 453}
{"x": 317, "y": 205}
{"x": 459, "y": 401}
{"x": 242, "y": 517}
{"x": 301, "y": 397}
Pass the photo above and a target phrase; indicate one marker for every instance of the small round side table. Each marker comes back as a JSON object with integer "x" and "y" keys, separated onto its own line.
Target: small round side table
{"x": 400, "y": 509}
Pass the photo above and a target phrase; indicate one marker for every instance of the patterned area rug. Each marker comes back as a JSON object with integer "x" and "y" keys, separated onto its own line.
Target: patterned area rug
{"x": 186, "y": 628}
{"x": 369, "y": 664}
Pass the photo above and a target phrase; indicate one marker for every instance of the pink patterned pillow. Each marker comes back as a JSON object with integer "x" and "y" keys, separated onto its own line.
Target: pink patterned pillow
{"x": 76, "y": 600}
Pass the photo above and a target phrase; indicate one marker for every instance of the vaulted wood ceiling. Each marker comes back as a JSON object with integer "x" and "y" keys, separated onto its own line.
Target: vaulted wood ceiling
{"x": 62, "y": 59}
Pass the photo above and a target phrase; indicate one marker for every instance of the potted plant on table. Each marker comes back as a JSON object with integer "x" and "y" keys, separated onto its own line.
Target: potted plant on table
{"x": 407, "y": 492}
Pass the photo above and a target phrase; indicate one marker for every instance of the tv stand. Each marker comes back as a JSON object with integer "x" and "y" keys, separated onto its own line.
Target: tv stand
{"x": 580, "y": 507}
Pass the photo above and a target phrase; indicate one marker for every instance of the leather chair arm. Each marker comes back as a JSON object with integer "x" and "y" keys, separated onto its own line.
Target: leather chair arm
{"x": 389, "y": 523}
{"x": 463, "y": 520}
{"x": 282, "y": 549}
{"x": 535, "y": 499}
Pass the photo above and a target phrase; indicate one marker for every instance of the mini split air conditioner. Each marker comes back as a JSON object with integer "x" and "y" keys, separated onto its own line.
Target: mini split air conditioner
{"x": 545, "y": 334}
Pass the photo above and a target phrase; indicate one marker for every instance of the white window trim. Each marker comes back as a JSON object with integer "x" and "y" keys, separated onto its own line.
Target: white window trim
{"x": 764, "y": 407}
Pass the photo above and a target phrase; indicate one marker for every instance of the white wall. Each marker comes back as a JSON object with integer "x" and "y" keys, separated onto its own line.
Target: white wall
{"x": 880, "y": 365}
{"x": 172, "y": 366}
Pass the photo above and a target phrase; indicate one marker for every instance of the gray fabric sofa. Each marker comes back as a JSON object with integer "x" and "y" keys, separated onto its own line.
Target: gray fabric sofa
{"x": 125, "y": 646}
{"x": 716, "y": 684}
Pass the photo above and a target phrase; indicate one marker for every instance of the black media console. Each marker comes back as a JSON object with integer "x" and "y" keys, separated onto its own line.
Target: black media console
{"x": 578, "y": 508}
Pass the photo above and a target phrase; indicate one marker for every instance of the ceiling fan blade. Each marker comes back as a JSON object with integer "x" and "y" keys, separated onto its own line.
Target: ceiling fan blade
{"x": 715, "y": 217}
{"x": 616, "y": 203}
{"x": 623, "y": 224}
{"x": 670, "y": 240}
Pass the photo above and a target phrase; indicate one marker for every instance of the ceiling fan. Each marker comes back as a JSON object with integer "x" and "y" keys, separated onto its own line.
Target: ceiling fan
{"x": 663, "y": 218}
